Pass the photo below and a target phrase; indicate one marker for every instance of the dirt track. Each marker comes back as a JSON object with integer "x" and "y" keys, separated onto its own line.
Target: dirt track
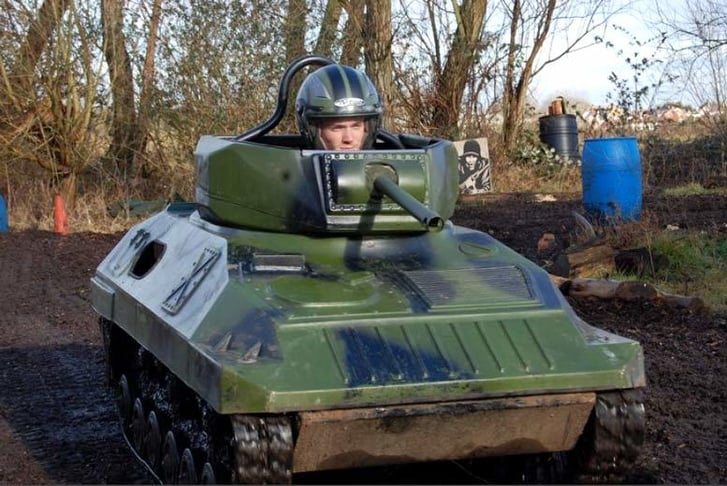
{"x": 58, "y": 425}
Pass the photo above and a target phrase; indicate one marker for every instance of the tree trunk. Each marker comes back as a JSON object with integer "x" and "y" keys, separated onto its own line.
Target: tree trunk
{"x": 327, "y": 34}
{"x": 452, "y": 81}
{"x": 353, "y": 33}
{"x": 508, "y": 94}
{"x": 377, "y": 49}
{"x": 295, "y": 24}
{"x": 124, "y": 121}
{"x": 147, "y": 83}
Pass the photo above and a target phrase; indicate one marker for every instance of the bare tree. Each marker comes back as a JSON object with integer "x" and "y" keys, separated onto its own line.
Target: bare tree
{"x": 533, "y": 25}
{"x": 698, "y": 41}
{"x": 19, "y": 103}
{"x": 39, "y": 33}
{"x": 48, "y": 100}
{"x": 517, "y": 80}
{"x": 130, "y": 123}
{"x": 295, "y": 23}
{"x": 442, "y": 48}
{"x": 295, "y": 29}
{"x": 701, "y": 23}
{"x": 451, "y": 81}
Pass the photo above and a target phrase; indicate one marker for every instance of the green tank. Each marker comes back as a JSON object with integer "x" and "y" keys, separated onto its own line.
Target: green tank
{"x": 317, "y": 310}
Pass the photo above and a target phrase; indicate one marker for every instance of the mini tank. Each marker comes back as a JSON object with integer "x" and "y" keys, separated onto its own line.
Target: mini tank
{"x": 317, "y": 310}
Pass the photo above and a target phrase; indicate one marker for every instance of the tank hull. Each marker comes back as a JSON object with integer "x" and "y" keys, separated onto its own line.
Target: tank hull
{"x": 260, "y": 322}
{"x": 381, "y": 349}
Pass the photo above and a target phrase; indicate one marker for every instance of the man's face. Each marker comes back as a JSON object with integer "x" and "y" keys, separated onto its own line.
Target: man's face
{"x": 342, "y": 133}
{"x": 471, "y": 160}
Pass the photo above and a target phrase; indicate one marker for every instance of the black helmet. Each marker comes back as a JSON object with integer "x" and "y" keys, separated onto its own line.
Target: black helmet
{"x": 471, "y": 147}
{"x": 337, "y": 91}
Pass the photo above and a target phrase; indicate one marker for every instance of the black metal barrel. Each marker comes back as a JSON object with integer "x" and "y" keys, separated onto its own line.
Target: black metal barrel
{"x": 561, "y": 133}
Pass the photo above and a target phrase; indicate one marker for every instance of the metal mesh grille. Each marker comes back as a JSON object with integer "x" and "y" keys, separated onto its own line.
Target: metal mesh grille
{"x": 473, "y": 286}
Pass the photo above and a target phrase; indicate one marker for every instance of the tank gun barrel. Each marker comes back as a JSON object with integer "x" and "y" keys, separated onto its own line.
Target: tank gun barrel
{"x": 386, "y": 186}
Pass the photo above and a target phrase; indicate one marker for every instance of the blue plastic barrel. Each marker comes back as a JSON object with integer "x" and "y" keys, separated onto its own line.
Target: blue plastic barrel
{"x": 3, "y": 215}
{"x": 611, "y": 175}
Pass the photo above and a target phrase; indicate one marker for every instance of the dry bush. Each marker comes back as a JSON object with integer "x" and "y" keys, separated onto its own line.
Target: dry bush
{"x": 29, "y": 190}
{"x": 91, "y": 211}
{"x": 681, "y": 153}
{"x": 30, "y": 197}
{"x": 632, "y": 234}
{"x": 532, "y": 166}
{"x": 509, "y": 177}
{"x": 47, "y": 112}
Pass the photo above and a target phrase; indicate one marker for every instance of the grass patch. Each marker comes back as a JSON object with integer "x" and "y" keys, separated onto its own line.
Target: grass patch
{"x": 697, "y": 262}
{"x": 692, "y": 189}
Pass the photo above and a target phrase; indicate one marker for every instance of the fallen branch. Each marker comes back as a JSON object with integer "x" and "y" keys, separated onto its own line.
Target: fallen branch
{"x": 629, "y": 290}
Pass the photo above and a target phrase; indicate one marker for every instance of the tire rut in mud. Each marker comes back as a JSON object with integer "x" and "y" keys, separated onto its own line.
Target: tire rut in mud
{"x": 54, "y": 398}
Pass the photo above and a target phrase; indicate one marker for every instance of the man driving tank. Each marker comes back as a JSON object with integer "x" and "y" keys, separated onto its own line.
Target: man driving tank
{"x": 338, "y": 108}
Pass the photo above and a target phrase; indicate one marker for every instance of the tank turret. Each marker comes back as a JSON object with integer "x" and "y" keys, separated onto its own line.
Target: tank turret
{"x": 306, "y": 191}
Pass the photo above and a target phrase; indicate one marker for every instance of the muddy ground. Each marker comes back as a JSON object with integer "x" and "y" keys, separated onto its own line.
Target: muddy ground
{"x": 58, "y": 423}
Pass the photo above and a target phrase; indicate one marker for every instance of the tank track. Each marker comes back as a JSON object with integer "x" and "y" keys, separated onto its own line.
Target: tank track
{"x": 613, "y": 437}
{"x": 178, "y": 437}
{"x": 604, "y": 453}
{"x": 264, "y": 449}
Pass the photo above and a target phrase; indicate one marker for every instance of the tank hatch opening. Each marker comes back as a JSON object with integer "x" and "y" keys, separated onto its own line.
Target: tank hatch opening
{"x": 148, "y": 258}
